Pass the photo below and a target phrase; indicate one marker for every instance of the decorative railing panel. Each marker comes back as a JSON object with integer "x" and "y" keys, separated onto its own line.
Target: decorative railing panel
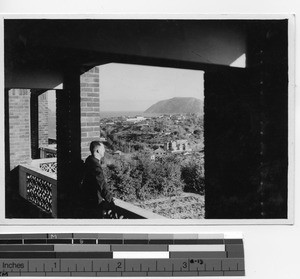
{"x": 50, "y": 167}
{"x": 38, "y": 187}
{"x": 39, "y": 192}
{"x": 48, "y": 164}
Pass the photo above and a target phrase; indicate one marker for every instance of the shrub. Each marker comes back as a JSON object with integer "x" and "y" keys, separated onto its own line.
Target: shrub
{"x": 193, "y": 178}
{"x": 143, "y": 179}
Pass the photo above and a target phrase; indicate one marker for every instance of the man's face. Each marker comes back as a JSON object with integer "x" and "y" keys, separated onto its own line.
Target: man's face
{"x": 100, "y": 152}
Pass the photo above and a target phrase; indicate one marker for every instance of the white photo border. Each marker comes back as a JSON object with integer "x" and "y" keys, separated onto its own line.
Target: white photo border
{"x": 156, "y": 222}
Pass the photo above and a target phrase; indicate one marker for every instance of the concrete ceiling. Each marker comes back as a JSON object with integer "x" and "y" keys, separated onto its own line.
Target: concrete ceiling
{"x": 37, "y": 52}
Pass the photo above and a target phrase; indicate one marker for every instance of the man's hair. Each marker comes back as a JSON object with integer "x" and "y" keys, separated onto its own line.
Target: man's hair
{"x": 94, "y": 145}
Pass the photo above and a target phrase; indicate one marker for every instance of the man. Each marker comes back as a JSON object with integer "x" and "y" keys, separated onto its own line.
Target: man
{"x": 97, "y": 199}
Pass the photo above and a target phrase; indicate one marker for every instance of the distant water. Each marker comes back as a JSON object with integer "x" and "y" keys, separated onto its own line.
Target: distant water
{"x": 107, "y": 114}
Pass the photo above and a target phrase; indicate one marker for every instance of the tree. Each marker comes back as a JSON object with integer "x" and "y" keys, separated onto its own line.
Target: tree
{"x": 193, "y": 178}
{"x": 197, "y": 132}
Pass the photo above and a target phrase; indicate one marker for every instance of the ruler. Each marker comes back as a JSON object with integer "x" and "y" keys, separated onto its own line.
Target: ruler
{"x": 121, "y": 255}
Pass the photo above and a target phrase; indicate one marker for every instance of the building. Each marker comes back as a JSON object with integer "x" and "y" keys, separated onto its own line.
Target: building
{"x": 177, "y": 146}
{"x": 136, "y": 119}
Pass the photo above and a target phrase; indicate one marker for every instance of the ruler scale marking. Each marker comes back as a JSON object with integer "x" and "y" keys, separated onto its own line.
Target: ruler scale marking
{"x": 91, "y": 255}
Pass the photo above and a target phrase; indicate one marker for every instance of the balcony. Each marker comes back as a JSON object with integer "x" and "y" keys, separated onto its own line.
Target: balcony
{"x": 48, "y": 151}
{"x": 38, "y": 185}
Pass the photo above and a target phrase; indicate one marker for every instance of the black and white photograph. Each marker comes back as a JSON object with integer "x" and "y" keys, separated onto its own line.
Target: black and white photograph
{"x": 165, "y": 119}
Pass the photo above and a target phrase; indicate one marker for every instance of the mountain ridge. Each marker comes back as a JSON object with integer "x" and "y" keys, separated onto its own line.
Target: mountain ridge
{"x": 177, "y": 105}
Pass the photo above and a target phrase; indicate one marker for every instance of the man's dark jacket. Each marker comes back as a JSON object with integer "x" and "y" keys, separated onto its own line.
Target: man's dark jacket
{"x": 95, "y": 188}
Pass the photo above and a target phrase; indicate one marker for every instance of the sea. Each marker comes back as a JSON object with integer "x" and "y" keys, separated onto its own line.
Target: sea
{"x": 108, "y": 114}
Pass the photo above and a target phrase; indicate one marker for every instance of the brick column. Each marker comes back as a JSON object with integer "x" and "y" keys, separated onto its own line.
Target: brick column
{"x": 19, "y": 127}
{"x": 90, "y": 108}
{"x": 39, "y": 123}
{"x": 43, "y": 119}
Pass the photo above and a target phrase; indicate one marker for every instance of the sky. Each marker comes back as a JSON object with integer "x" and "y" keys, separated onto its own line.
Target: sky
{"x": 125, "y": 87}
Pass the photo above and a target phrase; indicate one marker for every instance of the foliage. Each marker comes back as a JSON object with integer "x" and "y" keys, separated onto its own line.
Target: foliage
{"x": 139, "y": 178}
{"x": 135, "y": 177}
{"x": 186, "y": 206}
{"x": 119, "y": 180}
{"x": 193, "y": 178}
{"x": 197, "y": 132}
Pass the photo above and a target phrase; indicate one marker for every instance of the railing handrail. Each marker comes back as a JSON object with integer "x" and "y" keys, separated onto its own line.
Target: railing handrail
{"x": 51, "y": 147}
{"x": 47, "y": 150}
{"x": 37, "y": 162}
{"x": 137, "y": 210}
{"x": 34, "y": 170}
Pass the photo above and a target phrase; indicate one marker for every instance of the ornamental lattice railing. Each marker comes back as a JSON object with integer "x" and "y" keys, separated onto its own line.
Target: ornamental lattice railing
{"x": 48, "y": 164}
{"x": 39, "y": 187}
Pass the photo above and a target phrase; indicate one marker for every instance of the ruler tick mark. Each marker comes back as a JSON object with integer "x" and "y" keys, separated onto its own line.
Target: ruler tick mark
{"x": 170, "y": 267}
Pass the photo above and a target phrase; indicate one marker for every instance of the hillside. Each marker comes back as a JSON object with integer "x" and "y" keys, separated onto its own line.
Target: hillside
{"x": 177, "y": 105}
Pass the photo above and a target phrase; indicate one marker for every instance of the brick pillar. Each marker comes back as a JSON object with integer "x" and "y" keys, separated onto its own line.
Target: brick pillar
{"x": 90, "y": 109}
{"x": 39, "y": 123}
{"x": 19, "y": 127}
{"x": 43, "y": 119}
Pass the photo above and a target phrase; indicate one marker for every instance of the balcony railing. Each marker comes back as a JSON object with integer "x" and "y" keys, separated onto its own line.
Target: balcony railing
{"x": 48, "y": 151}
{"x": 129, "y": 211}
{"x": 48, "y": 165}
{"x": 38, "y": 185}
